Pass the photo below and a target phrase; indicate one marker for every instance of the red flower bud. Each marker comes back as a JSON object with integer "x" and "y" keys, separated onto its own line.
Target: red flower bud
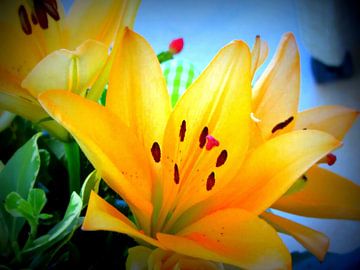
{"x": 331, "y": 159}
{"x": 176, "y": 45}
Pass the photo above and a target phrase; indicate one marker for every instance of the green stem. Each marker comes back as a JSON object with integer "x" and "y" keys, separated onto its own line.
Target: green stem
{"x": 164, "y": 56}
{"x": 72, "y": 154}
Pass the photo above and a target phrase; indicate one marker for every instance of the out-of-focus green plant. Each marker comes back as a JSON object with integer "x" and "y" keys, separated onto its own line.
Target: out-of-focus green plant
{"x": 21, "y": 204}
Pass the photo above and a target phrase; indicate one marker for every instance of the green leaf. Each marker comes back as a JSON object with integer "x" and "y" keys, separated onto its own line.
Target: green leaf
{"x": 91, "y": 182}
{"x": 21, "y": 170}
{"x": 64, "y": 228}
{"x": 44, "y": 157}
{"x": 18, "y": 207}
{"x": 30, "y": 209}
{"x": 45, "y": 216}
{"x": 56, "y": 147}
{"x": 37, "y": 200}
{"x": 18, "y": 176}
{"x": 4, "y": 233}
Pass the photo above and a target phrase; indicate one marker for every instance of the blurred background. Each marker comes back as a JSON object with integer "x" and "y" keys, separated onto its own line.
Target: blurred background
{"x": 325, "y": 31}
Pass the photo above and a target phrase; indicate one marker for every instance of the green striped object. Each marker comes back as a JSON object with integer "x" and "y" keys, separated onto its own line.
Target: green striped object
{"x": 179, "y": 74}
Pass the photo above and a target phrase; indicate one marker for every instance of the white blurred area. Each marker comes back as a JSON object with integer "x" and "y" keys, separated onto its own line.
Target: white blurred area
{"x": 207, "y": 25}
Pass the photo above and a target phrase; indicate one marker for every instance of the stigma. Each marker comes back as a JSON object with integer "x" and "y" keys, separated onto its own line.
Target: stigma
{"x": 211, "y": 142}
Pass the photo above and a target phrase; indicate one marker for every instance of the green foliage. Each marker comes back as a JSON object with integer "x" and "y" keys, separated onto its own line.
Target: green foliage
{"x": 165, "y": 56}
{"x": 92, "y": 182}
{"x": 24, "y": 246}
{"x": 42, "y": 249}
{"x": 18, "y": 176}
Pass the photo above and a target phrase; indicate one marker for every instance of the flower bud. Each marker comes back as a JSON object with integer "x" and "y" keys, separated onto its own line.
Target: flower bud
{"x": 176, "y": 46}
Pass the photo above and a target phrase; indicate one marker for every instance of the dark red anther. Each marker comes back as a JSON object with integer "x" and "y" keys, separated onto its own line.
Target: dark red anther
{"x": 24, "y": 20}
{"x": 221, "y": 158}
{"x": 211, "y": 142}
{"x": 182, "y": 130}
{"x": 210, "y": 181}
{"x": 34, "y": 19}
{"x": 41, "y": 15}
{"x": 202, "y": 139}
{"x": 330, "y": 159}
{"x": 155, "y": 151}
{"x": 176, "y": 174}
{"x": 50, "y": 7}
{"x": 283, "y": 124}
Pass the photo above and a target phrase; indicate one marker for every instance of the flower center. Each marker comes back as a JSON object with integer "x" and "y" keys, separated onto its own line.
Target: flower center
{"x": 197, "y": 163}
{"x": 211, "y": 142}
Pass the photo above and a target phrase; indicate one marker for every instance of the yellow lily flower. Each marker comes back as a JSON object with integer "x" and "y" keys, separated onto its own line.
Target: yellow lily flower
{"x": 165, "y": 164}
{"x": 42, "y": 48}
{"x": 275, "y": 112}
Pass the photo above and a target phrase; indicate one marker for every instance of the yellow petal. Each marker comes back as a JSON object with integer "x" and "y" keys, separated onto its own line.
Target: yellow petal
{"x": 100, "y": 215}
{"x": 9, "y": 85}
{"x": 137, "y": 91}
{"x": 335, "y": 120}
{"x": 255, "y": 133}
{"x": 102, "y": 80}
{"x": 45, "y": 40}
{"x": 18, "y": 54}
{"x": 129, "y": 12}
{"x": 325, "y": 195}
{"x": 276, "y": 93}
{"x": 165, "y": 259}
{"x": 268, "y": 172}
{"x": 54, "y": 37}
{"x": 231, "y": 236}
{"x": 32, "y": 111}
{"x": 69, "y": 70}
{"x": 109, "y": 145}
{"x": 273, "y": 167}
{"x": 314, "y": 241}
{"x": 99, "y": 20}
{"x": 218, "y": 100}
{"x": 258, "y": 54}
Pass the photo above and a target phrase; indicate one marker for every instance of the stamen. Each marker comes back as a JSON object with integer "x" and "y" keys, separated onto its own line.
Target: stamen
{"x": 202, "y": 139}
{"x": 282, "y": 125}
{"x": 304, "y": 177}
{"x": 50, "y": 7}
{"x": 182, "y": 130}
{"x": 41, "y": 16}
{"x": 254, "y": 118}
{"x": 33, "y": 19}
{"x": 331, "y": 159}
{"x": 155, "y": 151}
{"x": 210, "y": 181}
{"x": 221, "y": 158}
{"x": 176, "y": 174}
{"x": 211, "y": 142}
{"x": 24, "y": 20}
